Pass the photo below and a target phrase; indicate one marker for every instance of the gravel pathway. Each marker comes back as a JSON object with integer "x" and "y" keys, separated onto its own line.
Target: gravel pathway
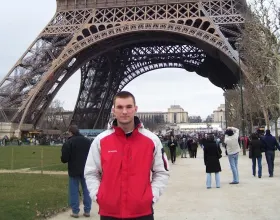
{"x": 186, "y": 197}
{"x": 28, "y": 171}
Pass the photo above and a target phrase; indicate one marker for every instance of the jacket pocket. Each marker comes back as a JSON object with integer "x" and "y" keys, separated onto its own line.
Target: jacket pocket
{"x": 109, "y": 201}
{"x": 140, "y": 204}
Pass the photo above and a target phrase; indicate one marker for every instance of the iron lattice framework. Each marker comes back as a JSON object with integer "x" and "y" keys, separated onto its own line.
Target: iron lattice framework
{"x": 112, "y": 42}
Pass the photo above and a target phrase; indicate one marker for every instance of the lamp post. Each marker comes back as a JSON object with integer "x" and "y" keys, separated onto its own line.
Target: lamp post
{"x": 221, "y": 122}
{"x": 221, "y": 118}
{"x": 237, "y": 45}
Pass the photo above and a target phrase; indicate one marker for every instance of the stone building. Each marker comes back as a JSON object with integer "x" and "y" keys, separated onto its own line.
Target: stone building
{"x": 177, "y": 115}
{"x": 219, "y": 115}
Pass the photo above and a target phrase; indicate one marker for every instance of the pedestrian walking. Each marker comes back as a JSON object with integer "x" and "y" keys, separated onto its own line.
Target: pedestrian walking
{"x": 189, "y": 143}
{"x": 256, "y": 147}
{"x": 194, "y": 147}
{"x": 212, "y": 154}
{"x": 183, "y": 146}
{"x": 270, "y": 145}
{"x": 74, "y": 152}
{"x": 172, "y": 145}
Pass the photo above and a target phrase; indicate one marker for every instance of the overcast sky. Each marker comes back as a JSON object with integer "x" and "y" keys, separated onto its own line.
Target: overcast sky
{"x": 22, "y": 21}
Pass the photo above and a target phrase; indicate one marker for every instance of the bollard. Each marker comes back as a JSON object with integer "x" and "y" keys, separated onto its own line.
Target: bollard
{"x": 12, "y": 159}
{"x": 42, "y": 159}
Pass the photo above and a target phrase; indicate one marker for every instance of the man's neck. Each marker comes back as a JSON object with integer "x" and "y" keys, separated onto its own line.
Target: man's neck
{"x": 127, "y": 127}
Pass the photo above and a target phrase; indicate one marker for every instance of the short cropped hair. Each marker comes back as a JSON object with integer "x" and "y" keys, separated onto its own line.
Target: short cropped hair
{"x": 123, "y": 95}
{"x": 74, "y": 129}
{"x": 254, "y": 136}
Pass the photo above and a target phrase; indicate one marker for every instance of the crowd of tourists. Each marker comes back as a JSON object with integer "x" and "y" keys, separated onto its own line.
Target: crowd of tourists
{"x": 257, "y": 144}
{"x": 188, "y": 145}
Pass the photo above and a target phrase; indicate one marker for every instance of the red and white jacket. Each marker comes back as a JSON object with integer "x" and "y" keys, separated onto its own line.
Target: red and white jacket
{"x": 118, "y": 170}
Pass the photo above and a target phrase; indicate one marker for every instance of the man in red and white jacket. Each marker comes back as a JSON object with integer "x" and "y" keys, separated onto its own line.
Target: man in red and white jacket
{"x": 119, "y": 163}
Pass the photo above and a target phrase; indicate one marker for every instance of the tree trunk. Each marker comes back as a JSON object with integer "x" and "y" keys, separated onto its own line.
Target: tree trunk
{"x": 251, "y": 123}
{"x": 265, "y": 114}
{"x": 276, "y": 129}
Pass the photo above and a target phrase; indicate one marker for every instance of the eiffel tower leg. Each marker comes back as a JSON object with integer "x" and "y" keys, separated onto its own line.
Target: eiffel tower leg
{"x": 100, "y": 81}
{"x": 21, "y": 84}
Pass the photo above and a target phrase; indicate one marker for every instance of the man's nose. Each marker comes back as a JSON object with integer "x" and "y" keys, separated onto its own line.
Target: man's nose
{"x": 124, "y": 111}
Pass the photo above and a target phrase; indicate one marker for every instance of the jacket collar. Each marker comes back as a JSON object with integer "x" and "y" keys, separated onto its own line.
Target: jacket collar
{"x": 137, "y": 124}
{"x": 75, "y": 135}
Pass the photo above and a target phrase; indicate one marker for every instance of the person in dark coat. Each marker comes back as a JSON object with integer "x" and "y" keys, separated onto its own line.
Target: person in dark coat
{"x": 256, "y": 147}
{"x": 212, "y": 154}
{"x": 172, "y": 144}
{"x": 271, "y": 145}
{"x": 74, "y": 152}
{"x": 194, "y": 147}
{"x": 189, "y": 144}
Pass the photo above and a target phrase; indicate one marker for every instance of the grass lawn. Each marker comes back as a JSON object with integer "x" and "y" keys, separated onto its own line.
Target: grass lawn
{"x": 30, "y": 157}
{"x": 32, "y": 196}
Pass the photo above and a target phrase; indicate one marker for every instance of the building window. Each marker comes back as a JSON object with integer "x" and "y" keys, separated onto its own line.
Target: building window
{"x": 174, "y": 117}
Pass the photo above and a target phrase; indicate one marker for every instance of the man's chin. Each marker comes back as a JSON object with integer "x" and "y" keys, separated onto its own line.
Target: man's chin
{"x": 124, "y": 122}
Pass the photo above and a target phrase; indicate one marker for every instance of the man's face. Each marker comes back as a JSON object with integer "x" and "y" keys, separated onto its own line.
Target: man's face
{"x": 124, "y": 110}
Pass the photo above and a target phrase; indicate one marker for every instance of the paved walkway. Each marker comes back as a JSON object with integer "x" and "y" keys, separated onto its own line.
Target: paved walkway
{"x": 186, "y": 197}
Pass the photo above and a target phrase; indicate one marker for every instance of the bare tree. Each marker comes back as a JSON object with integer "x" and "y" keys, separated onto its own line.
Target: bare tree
{"x": 195, "y": 119}
{"x": 154, "y": 122}
{"x": 253, "y": 113}
{"x": 55, "y": 117}
{"x": 209, "y": 119}
{"x": 259, "y": 49}
{"x": 233, "y": 108}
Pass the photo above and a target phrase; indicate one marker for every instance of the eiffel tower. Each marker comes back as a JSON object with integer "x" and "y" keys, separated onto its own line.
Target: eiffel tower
{"x": 114, "y": 41}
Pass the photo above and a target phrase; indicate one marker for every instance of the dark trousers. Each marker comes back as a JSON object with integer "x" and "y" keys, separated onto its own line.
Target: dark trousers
{"x": 259, "y": 159}
{"x": 194, "y": 153}
{"x": 173, "y": 154}
{"x": 270, "y": 155}
{"x": 190, "y": 152}
{"x": 148, "y": 217}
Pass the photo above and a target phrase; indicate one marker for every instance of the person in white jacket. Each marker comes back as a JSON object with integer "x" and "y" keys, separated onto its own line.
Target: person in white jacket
{"x": 119, "y": 165}
{"x": 233, "y": 148}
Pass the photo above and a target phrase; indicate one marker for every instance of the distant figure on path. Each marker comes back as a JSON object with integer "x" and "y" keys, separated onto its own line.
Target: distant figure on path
{"x": 212, "y": 154}
{"x": 189, "y": 143}
{"x": 184, "y": 148}
{"x": 119, "y": 166}
{"x": 271, "y": 145}
{"x": 74, "y": 152}
{"x": 256, "y": 147}
{"x": 194, "y": 147}
{"x": 172, "y": 145}
{"x": 233, "y": 148}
